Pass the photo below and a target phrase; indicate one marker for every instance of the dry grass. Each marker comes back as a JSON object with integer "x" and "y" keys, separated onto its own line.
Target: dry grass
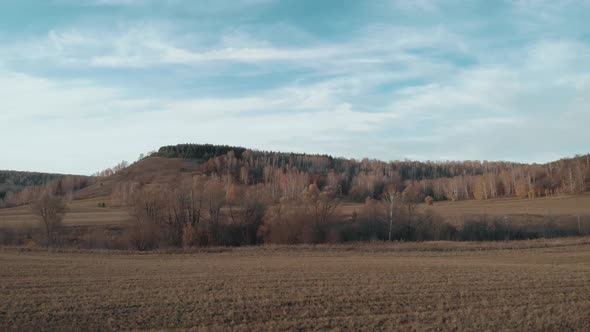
{"x": 532, "y": 285}
{"x": 150, "y": 170}
{"x": 526, "y": 208}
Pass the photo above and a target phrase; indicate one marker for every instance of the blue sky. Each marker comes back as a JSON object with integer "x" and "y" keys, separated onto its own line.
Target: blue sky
{"x": 87, "y": 83}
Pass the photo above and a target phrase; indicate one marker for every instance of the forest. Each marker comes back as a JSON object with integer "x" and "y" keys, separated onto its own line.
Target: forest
{"x": 19, "y": 188}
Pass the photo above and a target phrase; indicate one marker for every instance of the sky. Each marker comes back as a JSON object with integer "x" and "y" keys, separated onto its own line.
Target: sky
{"x": 85, "y": 84}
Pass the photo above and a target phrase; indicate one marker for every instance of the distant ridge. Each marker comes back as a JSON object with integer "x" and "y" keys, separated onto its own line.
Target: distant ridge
{"x": 355, "y": 179}
{"x": 13, "y": 181}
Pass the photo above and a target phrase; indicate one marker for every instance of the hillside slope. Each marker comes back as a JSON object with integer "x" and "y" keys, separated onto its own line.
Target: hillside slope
{"x": 149, "y": 170}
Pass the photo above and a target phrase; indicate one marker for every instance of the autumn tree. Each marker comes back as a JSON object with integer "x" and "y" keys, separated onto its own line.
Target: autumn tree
{"x": 507, "y": 183}
{"x": 521, "y": 188}
{"x": 479, "y": 188}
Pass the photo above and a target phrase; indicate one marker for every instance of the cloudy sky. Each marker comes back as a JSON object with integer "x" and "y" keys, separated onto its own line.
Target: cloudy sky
{"x": 87, "y": 83}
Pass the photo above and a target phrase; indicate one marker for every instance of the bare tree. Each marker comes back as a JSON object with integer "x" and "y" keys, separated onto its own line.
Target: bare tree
{"x": 149, "y": 211}
{"x": 390, "y": 197}
{"x": 50, "y": 210}
{"x": 215, "y": 198}
{"x": 233, "y": 198}
{"x": 411, "y": 197}
{"x": 320, "y": 204}
{"x": 197, "y": 198}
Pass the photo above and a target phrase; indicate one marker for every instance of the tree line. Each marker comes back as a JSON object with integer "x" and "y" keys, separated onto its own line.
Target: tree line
{"x": 214, "y": 210}
{"x": 20, "y": 188}
{"x": 287, "y": 173}
{"x": 14, "y": 181}
{"x": 61, "y": 186}
{"x": 205, "y": 211}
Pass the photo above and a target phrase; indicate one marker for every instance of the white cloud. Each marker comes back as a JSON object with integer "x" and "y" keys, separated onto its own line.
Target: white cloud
{"x": 386, "y": 91}
{"x": 78, "y": 127}
{"x": 531, "y": 110}
{"x": 540, "y": 101}
{"x": 137, "y": 46}
{"x": 23, "y": 96}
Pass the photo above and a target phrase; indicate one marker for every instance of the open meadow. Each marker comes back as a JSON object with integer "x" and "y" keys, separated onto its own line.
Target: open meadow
{"x": 80, "y": 213}
{"x": 520, "y": 285}
{"x": 519, "y": 209}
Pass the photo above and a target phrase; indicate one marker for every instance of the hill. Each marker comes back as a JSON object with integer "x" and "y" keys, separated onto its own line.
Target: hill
{"x": 358, "y": 179}
{"x": 152, "y": 170}
{"x": 355, "y": 180}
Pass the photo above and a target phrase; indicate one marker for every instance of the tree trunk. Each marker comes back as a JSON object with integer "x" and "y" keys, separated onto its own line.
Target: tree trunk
{"x": 390, "y": 218}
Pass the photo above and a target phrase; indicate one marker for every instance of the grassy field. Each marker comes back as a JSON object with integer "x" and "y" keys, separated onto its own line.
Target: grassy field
{"x": 527, "y": 285}
{"x": 515, "y": 209}
{"x": 552, "y": 206}
{"x": 80, "y": 213}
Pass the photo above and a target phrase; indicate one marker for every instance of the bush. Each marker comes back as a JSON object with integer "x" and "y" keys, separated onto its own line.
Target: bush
{"x": 432, "y": 227}
{"x": 290, "y": 225}
{"x": 189, "y": 236}
{"x": 484, "y": 228}
{"x": 143, "y": 236}
{"x": 103, "y": 238}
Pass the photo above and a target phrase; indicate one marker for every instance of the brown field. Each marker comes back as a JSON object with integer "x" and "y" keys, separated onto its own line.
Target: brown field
{"x": 87, "y": 213}
{"x": 527, "y": 285}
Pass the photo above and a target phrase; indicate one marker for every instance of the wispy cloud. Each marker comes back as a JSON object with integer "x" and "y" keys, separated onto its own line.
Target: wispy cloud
{"x": 144, "y": 46}
{"x": 416, "y": 79}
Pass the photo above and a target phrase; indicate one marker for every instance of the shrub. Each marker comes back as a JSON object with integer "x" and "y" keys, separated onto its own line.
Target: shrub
{"x": 143, "y": 236}
{"x": 484, "y": 228}
{"x": 290, "y": 225}
{"x": 189, "y": 236}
